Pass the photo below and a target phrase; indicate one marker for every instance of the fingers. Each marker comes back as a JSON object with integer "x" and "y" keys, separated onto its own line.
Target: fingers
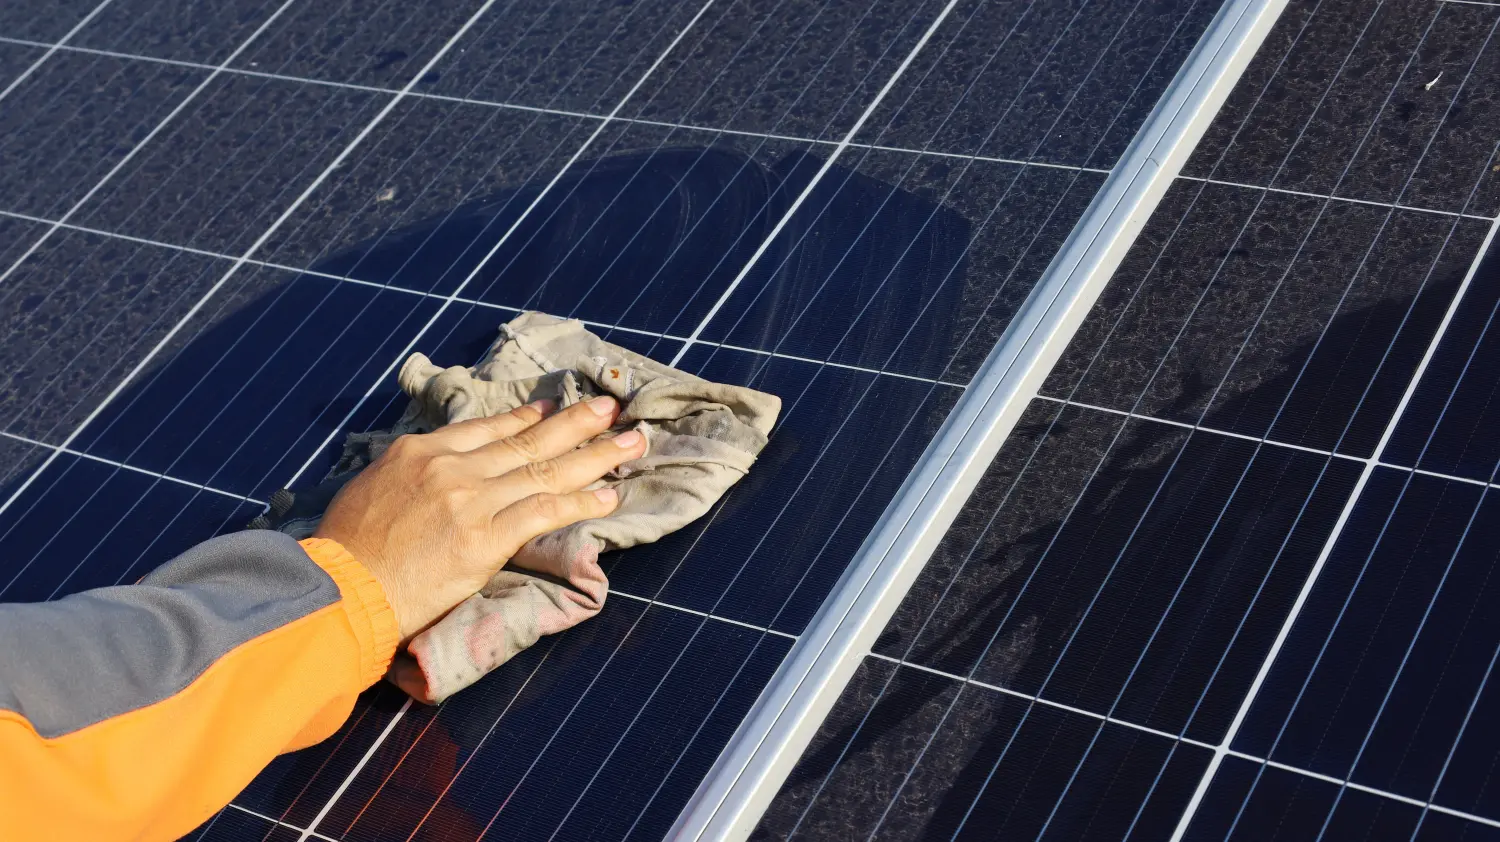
{"x": 478, "y": 432}
{"x": 549, "y": 439}
{"x": 539, "y": 514}
{"x": 569, "y": 472}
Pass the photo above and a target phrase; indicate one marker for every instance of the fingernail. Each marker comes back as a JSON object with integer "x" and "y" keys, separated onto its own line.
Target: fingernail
{"x": 543, "y": 405}
{"x": 628, "y": 439}
{"x": 602, "y": 406}
{"x": 607, "y": 496}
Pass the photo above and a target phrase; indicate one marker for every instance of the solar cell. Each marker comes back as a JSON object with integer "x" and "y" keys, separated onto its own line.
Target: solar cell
{"x": 60, "y": 140}
{"x": 51, "y": 20}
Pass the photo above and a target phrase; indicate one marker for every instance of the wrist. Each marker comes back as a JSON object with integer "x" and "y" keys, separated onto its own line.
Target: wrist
{"x": 372, "y": 615}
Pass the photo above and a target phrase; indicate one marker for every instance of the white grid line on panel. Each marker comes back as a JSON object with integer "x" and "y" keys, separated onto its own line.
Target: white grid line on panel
{"x": 50, "y": 49}
{"x": 1329, "y": 197}
{"x": 556, "y": 112}
{"x": 364, "y": 760}
{"x": 1041, "y": 701}
{"x": 285, "y": 267}
{"x": 250, "y": 812}
{"x": 583, "y": 115}
{"x": 1405, "y": 799}
{"x": 1370, "y": 463}
{"x": 1437, "y": 475}
{"x": 148, "y": 472}
{"x": 1261, "y": 440}
{"x": 129, "y": 156}
{"x": 1416, "y": 802}
{"x": 1199, "y": 427}
{"x": 751, "y": 626}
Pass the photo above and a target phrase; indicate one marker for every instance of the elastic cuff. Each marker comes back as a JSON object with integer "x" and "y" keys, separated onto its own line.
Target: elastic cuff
{"x": 370, "y": 615}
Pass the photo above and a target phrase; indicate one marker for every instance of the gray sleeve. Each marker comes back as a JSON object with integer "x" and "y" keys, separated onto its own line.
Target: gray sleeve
{"x": 82, "y": 659}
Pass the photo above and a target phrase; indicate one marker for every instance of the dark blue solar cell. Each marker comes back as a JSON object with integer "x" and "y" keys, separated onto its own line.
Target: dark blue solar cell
{"x": 1447, "y": 426}
{"x": 1267, "y": 314}
{"x": 16, "y": 236}
{"x": 378, "y": 44}
{"x": 573, "y": 55}
{"x": 60, "y": 140}
{"x": 87, "y": 524}
{"x": 1384, "y": 115}
{"x": 174, "y": 29}
{"x": 969, "y": 762}
{"x": 1391, "y": 648}
{"x": 1133, "y": 571}
{"x": 1470, "y": 783}
{"x": 15, "y": 60}
{"x": 270, "y": 370}
{"x": 90, "y": 309}
{"x": 434, "y": 188}
{"x": 1043, "y": 81}
{"x": 46, "y": 20}
{"x": 648, "y": 239}
{"x": 646, "y": 233}
{"x": 222, "y": 171}
{"x": 1438, "y": 826}
{"x": 18, "y": 459}
{"x": 802, "y": 69}
{"x": 1250, "y": 801}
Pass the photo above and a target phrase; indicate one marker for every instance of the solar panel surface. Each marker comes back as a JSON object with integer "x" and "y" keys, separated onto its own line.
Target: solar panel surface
{"x": 1230, "y": 577}
{"x": 223, "y": 227}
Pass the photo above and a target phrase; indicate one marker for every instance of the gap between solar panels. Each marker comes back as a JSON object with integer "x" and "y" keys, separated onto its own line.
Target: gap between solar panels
{"x": 730, "y": 800}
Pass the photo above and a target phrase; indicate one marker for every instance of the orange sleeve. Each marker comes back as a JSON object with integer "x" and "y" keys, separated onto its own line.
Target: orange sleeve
{"x": 158, "y": 771}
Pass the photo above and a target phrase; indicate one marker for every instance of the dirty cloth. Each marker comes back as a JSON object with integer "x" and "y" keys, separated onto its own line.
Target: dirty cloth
{"x": 701, "y": 438}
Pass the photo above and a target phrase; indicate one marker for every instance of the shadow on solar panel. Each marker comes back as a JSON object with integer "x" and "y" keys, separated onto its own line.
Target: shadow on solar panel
{"x": 276, "y": 360}
{"x": 1164, "y": 509}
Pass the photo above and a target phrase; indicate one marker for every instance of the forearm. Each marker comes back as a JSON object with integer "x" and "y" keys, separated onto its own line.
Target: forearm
{"x": 139, "y": 711}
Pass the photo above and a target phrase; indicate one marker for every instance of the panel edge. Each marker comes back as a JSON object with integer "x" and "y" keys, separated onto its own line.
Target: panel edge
{"x": 728, "y": 803}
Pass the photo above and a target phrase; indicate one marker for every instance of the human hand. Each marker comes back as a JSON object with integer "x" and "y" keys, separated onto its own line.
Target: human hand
{"x": 437, "y": 514}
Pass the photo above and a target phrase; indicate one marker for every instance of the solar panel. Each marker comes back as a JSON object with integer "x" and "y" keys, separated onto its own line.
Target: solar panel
{"x": 1229, "y": 576}
{"x": 222, "y": 229}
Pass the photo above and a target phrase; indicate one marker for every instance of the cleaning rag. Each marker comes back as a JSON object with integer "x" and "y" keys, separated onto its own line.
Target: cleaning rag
{"x": 701, "y": 438}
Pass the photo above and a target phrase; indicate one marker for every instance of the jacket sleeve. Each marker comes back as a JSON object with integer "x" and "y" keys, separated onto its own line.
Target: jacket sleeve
{"x": 139, "y": 711}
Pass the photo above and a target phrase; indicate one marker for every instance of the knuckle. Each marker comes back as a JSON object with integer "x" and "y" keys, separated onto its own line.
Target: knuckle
{"x": 525, "y": 445}
{"x": 546, "y": 506}
{"x": 439, "y": 466}
{"x": 452, "y": 499}
{"x": 545, "y": 473}
{"x": 402, "y": 446}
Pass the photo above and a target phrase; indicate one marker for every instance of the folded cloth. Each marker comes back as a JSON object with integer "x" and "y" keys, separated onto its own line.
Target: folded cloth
{"x": 701, "y": 438}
